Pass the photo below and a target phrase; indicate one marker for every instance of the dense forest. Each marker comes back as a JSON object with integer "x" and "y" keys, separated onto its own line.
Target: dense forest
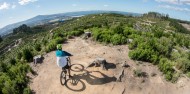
{"x": 153, "y": 38}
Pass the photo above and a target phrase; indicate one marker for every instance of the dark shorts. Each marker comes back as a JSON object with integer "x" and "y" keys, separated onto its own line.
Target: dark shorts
{"x": 66, "y": 67}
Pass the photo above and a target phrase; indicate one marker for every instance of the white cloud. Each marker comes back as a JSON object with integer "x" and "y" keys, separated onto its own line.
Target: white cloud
{"x": 185, "y": 2}
{"x": 106, "y": 5}
{"x": 24, "y": 2}
{"x": 169, "y": 1}
{"x": 74, "y": 5}
{"x": 175, "y": 8}
{"x": 178, "y": 2}
{"x": 4, "y": 6}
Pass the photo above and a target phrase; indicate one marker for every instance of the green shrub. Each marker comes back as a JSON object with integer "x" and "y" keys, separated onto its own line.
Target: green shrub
{"x": 27, "y": 55}
{"x": 154, "y": 59}
{"x": 143, "y": 54}
{"x": 158, "y": 32}
{"x": 37, "y": 47}
{"x": 183, "y": 65}
{"x": 59, "y": 40}
{"x": 164, "y": 46}
{"x": 58, "y": 34}
{"x": 9, "y": 87}
{"x": 51, "y": 46}
{"x": 77, "y": 33}
{"x": 12, "y": 61}
{"x": 96, "y": 34}
{"x": 175, "y": 77}
{"x": 128, "y": 31}
{"x": 27, "y": 91}
{"x": 118, "y": 39}
{"x": 133, "y": 45}
{"x": 3, "y": 67}
{"x": 188, "y": 74}
{"x": 19, "y": 55}
{"x": 165, "y": 66}
{"x": 175, "y": 55}
{"x": 118, "y": 29}
{"x": 1, "y": 39}
{"x": 168, "y": 75}
{"x": 188, "y": 56}
{"x": 45, "y": 42}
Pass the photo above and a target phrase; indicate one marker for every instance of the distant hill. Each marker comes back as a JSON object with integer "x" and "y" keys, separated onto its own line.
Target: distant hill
{"x": 44, "y": 19}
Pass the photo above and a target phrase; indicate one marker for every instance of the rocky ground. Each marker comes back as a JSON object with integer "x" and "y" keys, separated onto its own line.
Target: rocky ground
{"x": 94, "y": 80}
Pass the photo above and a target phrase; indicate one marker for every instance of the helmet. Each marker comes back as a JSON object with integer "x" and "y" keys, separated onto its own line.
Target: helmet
{"x": 59, "y": 46}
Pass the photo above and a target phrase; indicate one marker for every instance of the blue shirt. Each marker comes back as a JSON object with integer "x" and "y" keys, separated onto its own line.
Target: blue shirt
{"x": 60, "y": 53}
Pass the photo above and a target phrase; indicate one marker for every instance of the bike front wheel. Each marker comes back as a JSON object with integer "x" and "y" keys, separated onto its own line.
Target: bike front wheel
{"x": 63, "y": 78}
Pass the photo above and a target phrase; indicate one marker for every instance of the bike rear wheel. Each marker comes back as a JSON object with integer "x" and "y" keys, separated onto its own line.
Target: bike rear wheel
{"x": 63, "y": 77}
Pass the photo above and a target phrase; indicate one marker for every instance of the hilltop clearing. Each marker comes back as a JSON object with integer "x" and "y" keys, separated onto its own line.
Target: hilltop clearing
{"x": 159, "y": 45}
{"x": 100, "y": 81}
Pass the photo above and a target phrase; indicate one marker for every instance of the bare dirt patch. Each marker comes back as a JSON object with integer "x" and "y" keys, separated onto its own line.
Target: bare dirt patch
{"x": 97, "y": 81}
{"x": 186, "y": 26}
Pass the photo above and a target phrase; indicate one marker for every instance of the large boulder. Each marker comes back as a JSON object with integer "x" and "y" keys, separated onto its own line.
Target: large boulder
{"x": 98, "y": 62}
{"x": 37, "y": 59}
{"x": 87, "y": 35}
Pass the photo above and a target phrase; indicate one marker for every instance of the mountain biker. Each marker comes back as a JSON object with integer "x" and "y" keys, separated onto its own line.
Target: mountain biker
{"x": 62, "y": 59}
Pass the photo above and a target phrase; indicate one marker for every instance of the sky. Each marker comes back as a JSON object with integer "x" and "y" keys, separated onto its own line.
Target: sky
{"x": 12, "y": 11}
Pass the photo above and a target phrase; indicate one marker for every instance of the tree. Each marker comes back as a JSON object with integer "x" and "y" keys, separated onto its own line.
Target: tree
{"x": 118, "y": 29}
{"x": 22, "y": 28}
{"x": 27, "y": 55}
{"x": 1, "y": 39}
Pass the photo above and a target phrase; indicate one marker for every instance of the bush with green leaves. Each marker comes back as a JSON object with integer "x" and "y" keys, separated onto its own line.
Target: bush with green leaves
{"x": 37, "y": 47}
{"x": 12, "y": 61}
{"x": 175, "y": 77}
{"x": 118, "y": 39}
{"x": 76, "y": 33}
{"x": 175, "y": 55}
{"x": 51, "y": 46}
{"x": 183, "y": 64}
{"x": 128, "y": 31}
{"x": 165, "y": 66}
{"x": 14, "y": 80}
{"x": 27, "y": 55}
{"x": 1, "y": 39}
{"x": 118, "y": 29}
{"x": 53, "y": 43}
{"x": 19, "y": 55}
{"x": 4, "y": 67}
{"x": 142, "y": 54}
{"x": 59, "y": 40}
{"x": 188, "y": 74}
{"x": 27, "y": 90}
{"x": 108, "y": 36}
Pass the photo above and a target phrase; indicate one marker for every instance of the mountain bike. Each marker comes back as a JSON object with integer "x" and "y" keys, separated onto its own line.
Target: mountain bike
{"x": 63, "y": 76}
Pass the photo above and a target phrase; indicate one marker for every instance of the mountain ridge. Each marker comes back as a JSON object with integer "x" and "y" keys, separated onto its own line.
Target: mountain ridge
{"x": 44, "y": 19}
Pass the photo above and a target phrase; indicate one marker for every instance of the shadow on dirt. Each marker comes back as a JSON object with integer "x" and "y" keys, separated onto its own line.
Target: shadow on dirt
{"x": 110, "y": 66}
{"x": 76, "y": 82}
{"x": 76, "y": 85}
{"x": 77, "y": 67}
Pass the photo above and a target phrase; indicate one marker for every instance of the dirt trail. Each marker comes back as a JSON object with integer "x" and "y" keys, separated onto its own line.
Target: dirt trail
{"x": 99, "y": 81}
